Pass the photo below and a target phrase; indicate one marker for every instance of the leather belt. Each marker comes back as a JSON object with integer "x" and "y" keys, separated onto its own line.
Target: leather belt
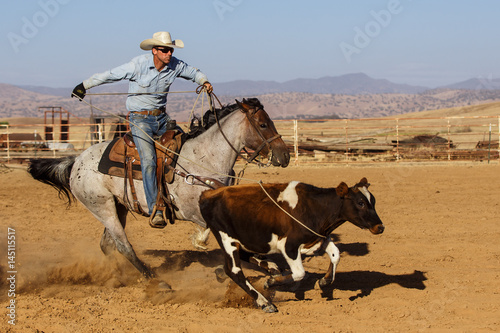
{"x": 155, "y": 112}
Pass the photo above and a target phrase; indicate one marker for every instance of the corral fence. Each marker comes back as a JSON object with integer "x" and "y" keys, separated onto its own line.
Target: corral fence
{"x": 393, "y": 139}
{"x": 335, "y": 141}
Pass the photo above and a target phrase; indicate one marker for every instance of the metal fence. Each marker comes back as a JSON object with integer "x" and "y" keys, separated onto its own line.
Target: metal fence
{"x": 337, "y": 141}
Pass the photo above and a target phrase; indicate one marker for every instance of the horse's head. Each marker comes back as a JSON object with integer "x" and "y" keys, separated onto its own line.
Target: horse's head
{"x": 261, "y": 134}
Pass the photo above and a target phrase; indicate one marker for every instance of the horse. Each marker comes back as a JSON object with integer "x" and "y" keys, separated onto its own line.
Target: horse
{"x": 211, "y": 152}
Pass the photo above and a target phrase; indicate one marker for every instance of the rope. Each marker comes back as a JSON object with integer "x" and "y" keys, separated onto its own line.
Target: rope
{"x": 194, "y": 105}
{"x": 287, "y": 213}
{"x": 208, "y": 169}
{"x": 169, "y": 150}
{"x": 138, "y": 93}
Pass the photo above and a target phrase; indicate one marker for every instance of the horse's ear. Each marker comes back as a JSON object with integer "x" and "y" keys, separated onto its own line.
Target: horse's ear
{"x": 342, "y": 189}
{"x": 243, "y": 105}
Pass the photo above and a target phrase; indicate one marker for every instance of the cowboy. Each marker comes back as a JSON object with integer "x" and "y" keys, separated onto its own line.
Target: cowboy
{"x": 149, "y": 73}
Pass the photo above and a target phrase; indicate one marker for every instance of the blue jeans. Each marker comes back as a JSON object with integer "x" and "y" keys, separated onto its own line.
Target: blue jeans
{"x": 153, "y": 126}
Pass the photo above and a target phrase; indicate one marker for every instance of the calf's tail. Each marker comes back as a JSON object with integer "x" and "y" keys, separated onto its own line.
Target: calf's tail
{"x": 54, "y": 172}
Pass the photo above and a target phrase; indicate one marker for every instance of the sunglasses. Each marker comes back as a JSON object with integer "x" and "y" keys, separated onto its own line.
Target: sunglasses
{"x": 165, "y": 49}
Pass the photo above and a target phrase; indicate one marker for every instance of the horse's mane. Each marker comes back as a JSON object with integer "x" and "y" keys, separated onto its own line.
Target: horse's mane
{"x": 198, "y": 126}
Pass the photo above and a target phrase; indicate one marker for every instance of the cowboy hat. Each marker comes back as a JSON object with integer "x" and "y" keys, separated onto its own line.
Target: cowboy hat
{"x": 161, "y": 38}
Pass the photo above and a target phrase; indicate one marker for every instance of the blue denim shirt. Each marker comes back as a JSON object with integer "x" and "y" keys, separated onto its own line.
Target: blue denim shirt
{"x": 144, "y": 77}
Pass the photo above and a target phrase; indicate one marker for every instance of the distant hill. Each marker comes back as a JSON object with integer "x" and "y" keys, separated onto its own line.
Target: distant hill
{"x": 352, "y": 84}
{"x": 346, "y": 96}
{"x": 476, "y": 84}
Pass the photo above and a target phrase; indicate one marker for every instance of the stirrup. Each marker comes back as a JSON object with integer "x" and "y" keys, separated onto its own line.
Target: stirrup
{"x": 159, "y": 225}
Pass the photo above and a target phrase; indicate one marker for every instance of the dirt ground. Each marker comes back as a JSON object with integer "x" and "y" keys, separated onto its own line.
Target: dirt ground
{"x": 436, "y": 267}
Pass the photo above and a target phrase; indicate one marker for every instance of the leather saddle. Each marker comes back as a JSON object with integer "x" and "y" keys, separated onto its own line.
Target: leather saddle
{"x": 121, "y": 159}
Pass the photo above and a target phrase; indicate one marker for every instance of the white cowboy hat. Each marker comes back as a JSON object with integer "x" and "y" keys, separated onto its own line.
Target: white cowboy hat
{"x": 161, "y": 38}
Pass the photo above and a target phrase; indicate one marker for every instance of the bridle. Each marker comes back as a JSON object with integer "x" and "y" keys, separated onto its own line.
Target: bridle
{"x": 256, "y": 127}
{"x": 213, "y": 183}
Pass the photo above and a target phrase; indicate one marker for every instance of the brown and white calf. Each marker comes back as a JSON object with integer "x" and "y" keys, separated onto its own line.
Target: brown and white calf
{"x": 244, "y": 217}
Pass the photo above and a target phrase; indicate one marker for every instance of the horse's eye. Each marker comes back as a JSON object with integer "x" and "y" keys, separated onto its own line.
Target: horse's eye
{"x": 361, "y": 203}
{"x": 263, "y": 125}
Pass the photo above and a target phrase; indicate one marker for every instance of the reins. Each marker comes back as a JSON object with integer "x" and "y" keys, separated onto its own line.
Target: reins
{"x": 265, "y": 142}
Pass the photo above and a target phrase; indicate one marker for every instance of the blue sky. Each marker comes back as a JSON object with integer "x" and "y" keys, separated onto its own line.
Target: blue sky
{"x": 59, "y": 43}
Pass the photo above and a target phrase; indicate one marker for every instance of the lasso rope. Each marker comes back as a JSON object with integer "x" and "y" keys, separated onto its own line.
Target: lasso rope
{"x": 287, "y": 213}
{"x": 169, "y": 150}
{"x": 198, "y": 91}
{"x": 139, "y": 93}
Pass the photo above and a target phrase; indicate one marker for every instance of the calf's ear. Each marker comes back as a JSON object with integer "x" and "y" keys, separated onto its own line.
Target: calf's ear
{"x": 363, "y": 183}
{"x": 342, "y": 189}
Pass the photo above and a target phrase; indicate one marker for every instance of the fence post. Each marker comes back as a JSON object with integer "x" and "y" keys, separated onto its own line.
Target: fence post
{"x": 449, "y": 143}
{"x": 99, "y": 128}
{"x": 296, "y": 141}
{"x": 346, "y": 141}
{"x": 397, "y": 139}
{"x": 489, "y": 144}
{"x": 8, "y": 143}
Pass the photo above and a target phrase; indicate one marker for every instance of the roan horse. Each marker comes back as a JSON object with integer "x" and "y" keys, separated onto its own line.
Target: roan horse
{"x": 244, "y": 124}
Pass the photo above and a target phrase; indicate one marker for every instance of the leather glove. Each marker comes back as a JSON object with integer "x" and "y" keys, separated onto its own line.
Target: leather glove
{"x": 209, "y": 87}
{"x": 79, "y": 91}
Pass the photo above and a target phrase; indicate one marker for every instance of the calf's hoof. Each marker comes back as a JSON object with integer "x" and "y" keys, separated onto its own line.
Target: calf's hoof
{"x": 274, "y": 271}
{"x": 220, "y": 274}
{"x": 323, "y": 283}
{"x": 269, "y": 283}
{"x": 269, "y": 308}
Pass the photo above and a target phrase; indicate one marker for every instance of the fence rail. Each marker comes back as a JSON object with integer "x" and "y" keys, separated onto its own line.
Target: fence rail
{"x": 337, "y": 141}
{"x": 392, "y": 139}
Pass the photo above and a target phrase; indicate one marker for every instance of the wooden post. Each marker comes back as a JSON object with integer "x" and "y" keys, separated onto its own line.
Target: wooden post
{"x": 8, "y": 143}
{"x": 489, "y": 144}
{"x": 449, "y": 143}
{"x": 296, "y": 141}
{"x": 100, "y": 129}
{"x": 397, "y": 139}
{"x": 346, "y": 142}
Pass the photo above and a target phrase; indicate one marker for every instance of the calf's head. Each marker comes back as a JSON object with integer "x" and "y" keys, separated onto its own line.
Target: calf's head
{"x": 359, "y": 206}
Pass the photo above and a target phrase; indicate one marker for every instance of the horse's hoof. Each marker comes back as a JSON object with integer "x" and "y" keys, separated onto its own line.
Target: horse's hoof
{"x": 220, "y": 274}
{"x": 163, "y": 286}
{"x": 269, "y": 308}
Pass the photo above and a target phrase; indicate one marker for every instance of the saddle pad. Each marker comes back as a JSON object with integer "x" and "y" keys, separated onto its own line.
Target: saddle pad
{"x": 114, "y": 168}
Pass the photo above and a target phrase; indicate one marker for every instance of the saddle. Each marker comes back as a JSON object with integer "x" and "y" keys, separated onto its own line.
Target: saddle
{"x": 121, "y": 159}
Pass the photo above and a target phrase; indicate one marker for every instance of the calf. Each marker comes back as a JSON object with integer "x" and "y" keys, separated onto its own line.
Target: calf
{"x": 244, "y": 217}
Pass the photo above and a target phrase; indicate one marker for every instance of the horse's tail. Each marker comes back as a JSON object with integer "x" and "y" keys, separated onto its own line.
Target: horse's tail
{"x": 54, "y": 172}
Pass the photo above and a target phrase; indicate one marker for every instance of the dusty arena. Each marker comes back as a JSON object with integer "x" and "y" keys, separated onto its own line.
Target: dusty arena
{"x": 436, "y": 268}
